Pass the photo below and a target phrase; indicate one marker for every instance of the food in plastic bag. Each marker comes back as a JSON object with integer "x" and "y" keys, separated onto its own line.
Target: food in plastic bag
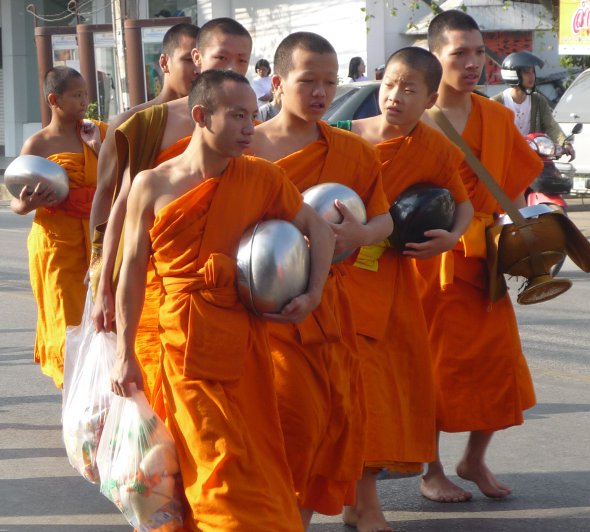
{"x": 87, "y": 403}
{"x": 138, "y": 466}
{"x": 77, "y": 339}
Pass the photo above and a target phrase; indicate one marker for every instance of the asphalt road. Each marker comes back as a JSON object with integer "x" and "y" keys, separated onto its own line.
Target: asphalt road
{"x": 546, "y": 461}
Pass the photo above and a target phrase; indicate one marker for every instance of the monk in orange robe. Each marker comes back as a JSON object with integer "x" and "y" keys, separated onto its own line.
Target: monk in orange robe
{"x": 392, "y": 333}
{"x": 482, "y": 379}
{"x": 178, "y": 73}
{"x": 58, "y": 244}
{"x": 317, "y": 374}
{"x": 189, "y": 215}
{"x": 221, "y": 43}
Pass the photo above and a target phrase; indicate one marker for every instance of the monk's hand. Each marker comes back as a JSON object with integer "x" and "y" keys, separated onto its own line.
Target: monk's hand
{"x": 350, "y": 234}
{"x": 438, "y": 242}
{"x": 125, "y": 372}
{"x": 90, "y": 135}
{"x": 296, "y": 310}
{"x": 569, "y": 150}
{"x": 103, "y": 312}
{"x": 43, "y": 195}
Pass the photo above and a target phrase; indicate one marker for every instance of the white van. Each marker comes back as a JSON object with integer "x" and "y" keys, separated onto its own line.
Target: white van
{"x": 573, "y": 108}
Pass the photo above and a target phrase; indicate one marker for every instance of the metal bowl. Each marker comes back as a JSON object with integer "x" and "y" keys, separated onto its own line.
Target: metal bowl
{"x": 322, "y": 197}
{"x": 29, "y": 170}
{"x": 417, "y": 209}
{"x": 273, "y": 266}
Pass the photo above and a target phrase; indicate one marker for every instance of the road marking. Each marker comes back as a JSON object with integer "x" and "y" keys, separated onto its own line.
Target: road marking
{"x": 64, "y": 520}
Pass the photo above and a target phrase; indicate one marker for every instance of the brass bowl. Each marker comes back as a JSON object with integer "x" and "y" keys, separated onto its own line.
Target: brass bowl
{"x": 273, "y": 266}
{"x": 322, "y": 197}
{"x": 30, "y": 170}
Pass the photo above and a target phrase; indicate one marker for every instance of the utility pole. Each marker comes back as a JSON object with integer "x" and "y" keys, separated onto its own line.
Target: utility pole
{"x": 121, "y": 10}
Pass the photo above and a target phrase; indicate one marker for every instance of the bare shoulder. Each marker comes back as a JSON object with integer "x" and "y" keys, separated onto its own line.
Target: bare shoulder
{"x": 37, "y": 144}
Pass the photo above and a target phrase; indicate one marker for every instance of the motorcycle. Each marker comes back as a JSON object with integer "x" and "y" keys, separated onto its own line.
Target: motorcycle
{"x": 555, "y": 180}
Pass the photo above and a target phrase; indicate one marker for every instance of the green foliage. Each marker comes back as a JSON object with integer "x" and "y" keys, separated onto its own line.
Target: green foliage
{"x": 92, "y": 111}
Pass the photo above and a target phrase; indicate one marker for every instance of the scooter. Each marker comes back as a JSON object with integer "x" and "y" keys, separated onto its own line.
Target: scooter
{"x": 555, "y": 180}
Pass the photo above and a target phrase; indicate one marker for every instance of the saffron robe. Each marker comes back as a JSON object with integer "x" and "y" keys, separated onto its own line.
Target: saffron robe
{"x": 481, "y": 376}
{"x": 59, "y": 255}
{"x": 216, "y": 369}
{"x": 392, "y": 333}
{"x": 317, "y": 373}
{"x": 147, "y": 339}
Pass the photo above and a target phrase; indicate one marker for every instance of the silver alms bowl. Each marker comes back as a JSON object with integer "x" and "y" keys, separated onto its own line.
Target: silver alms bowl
{"x": 29, "y": 170}
{"x": 273, "y": 266}
{"x": 321, "y": 197}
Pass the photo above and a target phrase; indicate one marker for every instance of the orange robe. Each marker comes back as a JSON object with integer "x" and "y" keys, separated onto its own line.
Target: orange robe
{"x": 392, "y": 333}
{"x": 481, "y": 376}
{"x": 59, "y": 256}
{"x": 317, "y": 374}
{"x": 138, "y": 146}
{"x": 217, "y": 370}
{"x": 147, "y": 339}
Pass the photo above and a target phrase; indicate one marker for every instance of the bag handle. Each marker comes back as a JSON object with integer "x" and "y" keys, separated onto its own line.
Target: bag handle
{"x": 485, "y": 177}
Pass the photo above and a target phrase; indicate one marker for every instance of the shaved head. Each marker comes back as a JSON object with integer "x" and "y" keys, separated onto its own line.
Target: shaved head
{"x": 451, "y": 20}
{"x": 224, "y": 26}
{"x": 422, "y": 61}
{"x": 304, "y": 40}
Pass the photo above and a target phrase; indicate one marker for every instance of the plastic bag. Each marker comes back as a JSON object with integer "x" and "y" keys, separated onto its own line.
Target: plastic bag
{"x": 138, "y": 465}
{"x": 77, "y": 339}
{"x": 87, "y": 402}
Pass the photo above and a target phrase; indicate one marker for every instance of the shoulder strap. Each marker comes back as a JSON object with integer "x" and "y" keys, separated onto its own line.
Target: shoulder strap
{"x": 443, "y": 122}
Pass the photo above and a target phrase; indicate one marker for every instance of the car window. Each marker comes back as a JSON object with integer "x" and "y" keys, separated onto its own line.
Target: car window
{"x": 342, "y": 94}
{"x": 369, "y": 107}
{"x": 574, "y": 105}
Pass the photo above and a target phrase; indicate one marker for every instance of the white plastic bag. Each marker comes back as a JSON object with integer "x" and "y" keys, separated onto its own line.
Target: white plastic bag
{"x": 138, "y": 465}
{"x": 88, "y": 400}
{"x": 77, "y": 339}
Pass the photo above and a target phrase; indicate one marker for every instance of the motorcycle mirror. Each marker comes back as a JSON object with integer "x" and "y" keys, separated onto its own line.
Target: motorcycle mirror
{"x": 577, "y": 128}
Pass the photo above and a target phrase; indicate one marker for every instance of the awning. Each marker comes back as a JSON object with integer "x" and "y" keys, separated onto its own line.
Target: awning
{"x": 494, "y": 15}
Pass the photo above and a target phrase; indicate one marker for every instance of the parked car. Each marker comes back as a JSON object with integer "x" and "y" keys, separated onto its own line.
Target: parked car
{"x": 354, "y": 100}
{"x": 573, "y": 108}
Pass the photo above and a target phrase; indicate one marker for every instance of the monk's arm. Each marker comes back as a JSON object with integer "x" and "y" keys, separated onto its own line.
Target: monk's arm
{"x": 351, "y": 234}
{"x": 440, "y": 240}
{"x": 131, "y": 290}
{"x": 41, "y": 196}
{"x": 103, "y": 312}
{"x": 321, "y": 240}
{"x": 106, "y": 181}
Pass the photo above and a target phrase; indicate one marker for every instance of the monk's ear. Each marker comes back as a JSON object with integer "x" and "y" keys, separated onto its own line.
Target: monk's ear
{"x": 198, "y": 114}
{"x": 164, "y": 58}
{"x": 52, "y": 99}
{"x": 196, "y": 55}
{"x": 431, "y": 100}
{"x": 276, "y": 84}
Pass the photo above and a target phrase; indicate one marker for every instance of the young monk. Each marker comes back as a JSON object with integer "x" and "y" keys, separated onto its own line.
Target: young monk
{"x": 390, "y": 323}
{"x": 188, "y": 215}
{"x": 150, "y": 136}
{"x": 482, "y": 379}
{"x": 179, "y": 73}
{"x": 317, "y": 375}
{"x": 58, "y": 244}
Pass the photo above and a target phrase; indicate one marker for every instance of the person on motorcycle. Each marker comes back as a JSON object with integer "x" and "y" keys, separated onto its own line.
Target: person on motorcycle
{"x": 532, "y": 112}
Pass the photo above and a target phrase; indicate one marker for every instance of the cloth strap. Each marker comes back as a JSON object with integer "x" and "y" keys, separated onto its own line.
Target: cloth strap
{"x": 481, "y": 171}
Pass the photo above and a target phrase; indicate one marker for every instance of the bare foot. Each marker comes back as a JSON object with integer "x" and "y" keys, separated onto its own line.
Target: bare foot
{"x": 487, "y": 483}
{"x": 367, "y": 521}
{"x": 439, "y": 488}
{"x": 349, "y": 516}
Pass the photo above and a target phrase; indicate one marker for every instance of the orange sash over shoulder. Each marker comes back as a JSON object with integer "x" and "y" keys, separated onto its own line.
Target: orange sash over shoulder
{"x": 481, "y": 376}
{"x": 217, "y": 370}
{"x": 59, "y": 255}
{"x": 393, "y": 336}
{"x": 324, "y": 428}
